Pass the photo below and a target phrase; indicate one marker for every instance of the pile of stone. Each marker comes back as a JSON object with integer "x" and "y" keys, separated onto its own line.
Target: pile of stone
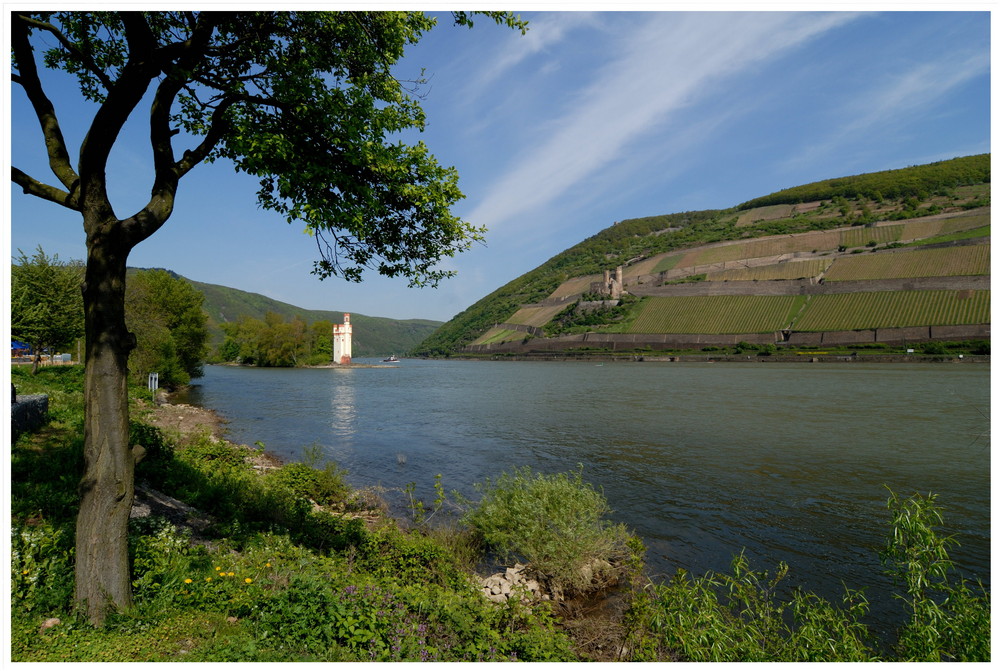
{"x": 514, "y": 582}
{"x": 520, "y": 582}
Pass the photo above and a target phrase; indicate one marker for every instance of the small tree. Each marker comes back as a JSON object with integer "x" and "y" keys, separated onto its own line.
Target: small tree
{"x": 46, "y": 307}
{"x": 165, "y": 313}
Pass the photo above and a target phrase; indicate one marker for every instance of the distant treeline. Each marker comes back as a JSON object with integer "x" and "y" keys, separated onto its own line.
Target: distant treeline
{"x": 919, "y": 181}
{"x": 275, "y": 342}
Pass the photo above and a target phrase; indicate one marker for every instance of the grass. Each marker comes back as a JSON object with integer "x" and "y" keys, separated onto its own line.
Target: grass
{"x": 275, "y": 577}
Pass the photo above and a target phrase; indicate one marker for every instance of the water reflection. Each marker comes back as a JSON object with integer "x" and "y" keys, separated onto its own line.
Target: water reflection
{"x": 343, "y": 410}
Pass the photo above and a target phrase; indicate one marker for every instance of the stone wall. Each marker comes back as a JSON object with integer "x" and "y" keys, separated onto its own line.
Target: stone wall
{"x": 666, "y": 341}
{"x": 807, "y": 288}
{"x": 28, "y": 413}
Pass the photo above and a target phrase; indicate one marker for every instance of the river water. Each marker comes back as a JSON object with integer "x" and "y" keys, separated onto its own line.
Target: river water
{"x": 788, "y": 461}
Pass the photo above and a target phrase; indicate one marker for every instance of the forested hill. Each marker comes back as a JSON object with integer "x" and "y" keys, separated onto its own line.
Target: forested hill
{"x": 373, "y": 336}
{"x": 858, "y": 200}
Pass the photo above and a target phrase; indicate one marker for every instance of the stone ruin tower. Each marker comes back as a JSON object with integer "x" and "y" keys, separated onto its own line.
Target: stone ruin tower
{"x": 611, "y": 286}
{"x": 342, "y": 341}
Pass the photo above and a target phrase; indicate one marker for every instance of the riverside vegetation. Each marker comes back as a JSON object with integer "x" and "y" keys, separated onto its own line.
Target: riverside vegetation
{"x": 282, "y": 564}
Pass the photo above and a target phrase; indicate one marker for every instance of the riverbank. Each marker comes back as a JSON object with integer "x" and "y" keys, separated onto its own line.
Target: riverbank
{"x": 731, "y": 358}
{"x": 273, "y": 570}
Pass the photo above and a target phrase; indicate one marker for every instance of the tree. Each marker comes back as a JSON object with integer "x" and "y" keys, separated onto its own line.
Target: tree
{"x": 304, "y": 101}
{"x": 165, "y": 313}
{"x": 46, "y": 308}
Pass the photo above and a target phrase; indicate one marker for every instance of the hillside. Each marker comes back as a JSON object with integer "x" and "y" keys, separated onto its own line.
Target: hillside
{"x": 373, "y": 336}
{"x": 864, "y": 242}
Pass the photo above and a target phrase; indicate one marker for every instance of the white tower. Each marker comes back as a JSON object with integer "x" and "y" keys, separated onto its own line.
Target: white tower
{"x": 342, "y": 341}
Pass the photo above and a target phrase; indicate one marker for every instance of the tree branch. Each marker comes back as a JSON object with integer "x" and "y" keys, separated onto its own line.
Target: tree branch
{"x": 80, "y": 55}
{"x": 27, "y": 78}
{"x": 123, "y": 97}
{"x": 32, "y": 186}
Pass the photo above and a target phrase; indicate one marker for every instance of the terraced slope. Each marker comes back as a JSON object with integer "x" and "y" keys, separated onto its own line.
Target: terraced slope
{"x": 847, "y": 236}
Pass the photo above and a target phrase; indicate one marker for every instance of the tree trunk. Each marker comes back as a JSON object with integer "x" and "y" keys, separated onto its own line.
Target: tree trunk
{"x": 103, "y": 580}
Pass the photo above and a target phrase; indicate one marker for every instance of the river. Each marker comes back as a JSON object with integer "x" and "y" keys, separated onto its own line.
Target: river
{"x": 789, "y": 461}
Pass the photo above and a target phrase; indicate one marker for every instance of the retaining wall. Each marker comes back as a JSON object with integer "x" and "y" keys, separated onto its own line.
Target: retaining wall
{"x": 632, "y": 341}
{"x": 807, "y": 288}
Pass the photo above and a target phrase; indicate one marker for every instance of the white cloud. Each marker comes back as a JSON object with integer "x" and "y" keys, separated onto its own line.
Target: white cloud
{"x": 544, "y": 34}
{"x": 888, "y": 102}
{"x": 667, "y": 61}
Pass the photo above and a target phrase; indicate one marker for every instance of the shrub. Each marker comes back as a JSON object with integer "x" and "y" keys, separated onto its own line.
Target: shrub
{"x": 736, "y": 618}
{"x": 934, "y": 348}
{"x": 948, "y": 622}
{"x": 324, "y": 486}
{"x": 554, "y": 522}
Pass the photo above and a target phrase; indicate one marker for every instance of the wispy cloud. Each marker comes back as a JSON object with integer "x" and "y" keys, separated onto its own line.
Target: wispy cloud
{"x": 908, "y": 93}
{"x": 667, "y": 61}
{"x": 544, "y": 34}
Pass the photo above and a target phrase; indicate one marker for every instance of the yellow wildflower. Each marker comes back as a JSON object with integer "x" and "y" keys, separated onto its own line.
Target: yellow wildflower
{"x": 188, "y": 581}
{"x": 231, "y": 574}
{"x": 267, "y": 565}
{"x": 221, "y": 573}
{"x": 209, "y": 579}
{"x": 218, "y": 568}
{"x": 248, "y": 580}
{"x": 25, "y": 572}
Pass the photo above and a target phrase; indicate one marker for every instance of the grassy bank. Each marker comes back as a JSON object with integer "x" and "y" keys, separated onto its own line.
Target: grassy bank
{"x": 236, "y": 559}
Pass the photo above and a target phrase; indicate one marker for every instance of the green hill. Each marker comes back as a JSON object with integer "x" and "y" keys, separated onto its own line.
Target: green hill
{"x": 794, "y": 235}
{"x": 373, "y": 336}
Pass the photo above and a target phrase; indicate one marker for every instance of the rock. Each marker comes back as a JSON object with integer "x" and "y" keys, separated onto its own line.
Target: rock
{"x": 49, "y": 623}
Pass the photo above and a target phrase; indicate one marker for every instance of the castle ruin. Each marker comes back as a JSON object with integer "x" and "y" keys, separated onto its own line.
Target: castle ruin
{"x": 342, "y": 341}
{"x": 611, "y": 286}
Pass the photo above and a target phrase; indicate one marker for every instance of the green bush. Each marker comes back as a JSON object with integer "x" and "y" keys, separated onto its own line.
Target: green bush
{"x": 738, "y": 617}
{"x": 554, "y": 522}
{"x": 947, "y": 621}
{"x": 324, "y": 486}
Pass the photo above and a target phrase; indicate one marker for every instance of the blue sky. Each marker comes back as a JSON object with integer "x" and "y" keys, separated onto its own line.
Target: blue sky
{"x": 590, "y": 118}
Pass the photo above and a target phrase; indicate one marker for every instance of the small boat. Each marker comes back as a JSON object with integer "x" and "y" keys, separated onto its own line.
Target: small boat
{"x": 390, "y": 359}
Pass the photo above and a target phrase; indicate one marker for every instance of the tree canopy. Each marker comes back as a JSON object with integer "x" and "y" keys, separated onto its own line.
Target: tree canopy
{"x": 165, "y": 313}
{"x": 46, "y": 308}
{"x": 307, "y": 102}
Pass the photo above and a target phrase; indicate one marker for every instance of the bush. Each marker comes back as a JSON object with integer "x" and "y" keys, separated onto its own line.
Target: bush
{"x": 738, "y": 617}
{"x": 324, "y": 486}
{"x": 948, "y": 622}
{"x": 554, "y": 522}
{"x": 934, "y": 348}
